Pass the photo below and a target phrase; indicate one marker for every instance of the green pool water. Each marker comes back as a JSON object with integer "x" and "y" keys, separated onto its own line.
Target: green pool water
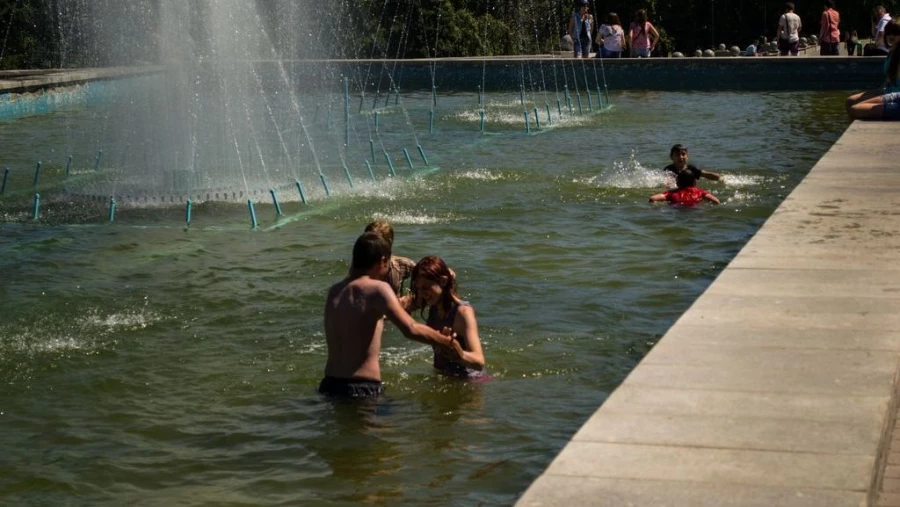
{"x": 146, "y": 363}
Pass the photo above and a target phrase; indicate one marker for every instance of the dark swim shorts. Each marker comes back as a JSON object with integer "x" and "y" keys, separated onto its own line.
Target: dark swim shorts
{"x": 891, "y": 106}
{"x": 351, "y": 387}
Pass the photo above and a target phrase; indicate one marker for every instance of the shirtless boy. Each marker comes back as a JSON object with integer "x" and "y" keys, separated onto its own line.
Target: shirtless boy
{"x": 354, "y": 322}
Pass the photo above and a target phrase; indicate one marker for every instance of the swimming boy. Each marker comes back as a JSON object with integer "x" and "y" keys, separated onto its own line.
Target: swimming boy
{"x": 687, "y": 193}
{"x": 400, "y": 268}
{"x": 679, "y": 156}
{"x": 354, "y": 311}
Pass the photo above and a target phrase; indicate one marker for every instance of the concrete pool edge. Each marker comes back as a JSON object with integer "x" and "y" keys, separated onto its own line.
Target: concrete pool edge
{"x": 778, "y": 386}
{"x": 536, "y": 73}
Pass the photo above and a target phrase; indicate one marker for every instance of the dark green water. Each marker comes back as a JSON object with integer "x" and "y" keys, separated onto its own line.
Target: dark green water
{"x": 145, "y": 364}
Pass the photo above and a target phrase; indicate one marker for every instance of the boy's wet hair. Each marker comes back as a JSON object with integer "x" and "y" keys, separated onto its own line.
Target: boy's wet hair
{"x": 368, "y": 250}
{"x": 678, "y": 148}
{"x": 685, "y": 179}
{"x": 382, "y": 227}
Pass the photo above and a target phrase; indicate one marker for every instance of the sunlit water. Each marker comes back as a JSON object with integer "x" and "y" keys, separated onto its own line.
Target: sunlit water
{"x": 142, "y": 363}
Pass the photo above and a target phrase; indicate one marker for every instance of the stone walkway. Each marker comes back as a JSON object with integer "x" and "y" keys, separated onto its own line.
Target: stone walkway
{"x": 778, "y": 386}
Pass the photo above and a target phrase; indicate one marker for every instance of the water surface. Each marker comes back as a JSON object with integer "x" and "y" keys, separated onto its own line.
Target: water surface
{"x": 145, "y": 363}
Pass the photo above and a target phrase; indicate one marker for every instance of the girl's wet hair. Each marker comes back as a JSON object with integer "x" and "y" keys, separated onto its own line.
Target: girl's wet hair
{"x": 685, "y": 179}
{"x": 613, "y": 19}
{"x": 434, "y": 268}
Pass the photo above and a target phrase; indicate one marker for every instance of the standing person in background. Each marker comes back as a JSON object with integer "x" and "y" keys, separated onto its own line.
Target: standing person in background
{"x": 829, "y": 33}
{"x": 880, "y": 46}
{"x": 788, "y": 31}
{"x": 612, "y": 37}
{"x": 642, "y": 35}
{"x": 580, "y": 29}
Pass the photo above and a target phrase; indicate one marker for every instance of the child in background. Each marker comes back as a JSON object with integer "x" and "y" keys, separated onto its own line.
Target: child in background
{"x": 400, "y": 267}
{"x": 679, "y": 156}
{"x": 687, "y": 193}
{"x": 434, "y": 287}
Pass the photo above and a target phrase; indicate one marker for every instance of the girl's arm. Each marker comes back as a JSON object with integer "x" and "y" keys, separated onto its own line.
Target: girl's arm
{"x": 654, "y": 37}
{"x": 711, "y": 198}
{"x": 465, "y": 322}
{"x": 658, "y": 197}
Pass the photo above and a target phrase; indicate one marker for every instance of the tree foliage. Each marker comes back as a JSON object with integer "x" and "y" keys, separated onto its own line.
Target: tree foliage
{"x": 39, "y": 33}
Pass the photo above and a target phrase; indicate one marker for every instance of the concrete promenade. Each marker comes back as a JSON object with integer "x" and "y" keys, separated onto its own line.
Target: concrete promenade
{"x": 778, "y": 386}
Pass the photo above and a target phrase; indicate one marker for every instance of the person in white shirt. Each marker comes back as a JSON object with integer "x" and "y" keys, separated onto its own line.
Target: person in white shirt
{"x": 612, "y": 37}
{"x": 788, "y": 31}
{"x": 882, "y": 18}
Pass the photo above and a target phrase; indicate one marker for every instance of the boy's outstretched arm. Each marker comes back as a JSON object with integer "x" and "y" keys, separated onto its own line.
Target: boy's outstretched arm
{"x": 658, "y": 197}
{"x": 710, "y": 175}
{"x": 711, "y": 198}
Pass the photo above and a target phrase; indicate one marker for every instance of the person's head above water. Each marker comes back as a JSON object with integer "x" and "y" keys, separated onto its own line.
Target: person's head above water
{"x": 679, "y": 155}
{"x": 369, "y": 250}
{"x": 383, "y": 227}
{"x": 433, "y": 283}
{"x": 685, "y": 179}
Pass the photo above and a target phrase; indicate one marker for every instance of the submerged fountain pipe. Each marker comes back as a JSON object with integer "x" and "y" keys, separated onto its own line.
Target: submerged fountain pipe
{"x": 37, "y": 174}
{"x": 422, "y": 153}
{"x": 387, "y": 98}
{"x": 325, "y": 184}
{"x": 275, "y": 201}
{"x": 408, "y": 160}
{"x": 482, "y": 120}
{"x": 375, "y": 100}
{"x": 522, "y": 96}
{"x": 361, "y": 99}
{"x": 300, "y": 189}
{"x": 187, "y": 212}
{"x": 537, "y": 119}
{"x": 527, "y": 123}
{"x": 372, "y": 149}
{"x": 112, "y": 209}
{"x": 5, "y": 176}
{"x": 347, "y": 172}
{"x": 599, "y": 98}
{"x": 580, "y": 109}
{"x": 433, "y": 96}
{"x": 590, "y": 102}
{"x": 480, "y": 99}
{"x": 431, "y": 122}
{"x": 37, "y": 207}
{"x": 549, "y": 118}
{"x": 68, "y": 165}
{"x": 371, "y": 172}
{"x": 376, "y": 121}
{"x": 559, "y": 108}
{"x": 253, "y": 223}
{"x": 97, "y": 160}
{"x": 390, "y": 164}
{"x": 397, "y": 96}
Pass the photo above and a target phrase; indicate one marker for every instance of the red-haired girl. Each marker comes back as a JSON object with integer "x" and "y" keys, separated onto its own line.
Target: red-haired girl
{"x": 434, "y": 287}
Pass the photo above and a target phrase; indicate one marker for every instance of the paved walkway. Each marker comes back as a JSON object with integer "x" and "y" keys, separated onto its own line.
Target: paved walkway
{"x": 778, "y": 386}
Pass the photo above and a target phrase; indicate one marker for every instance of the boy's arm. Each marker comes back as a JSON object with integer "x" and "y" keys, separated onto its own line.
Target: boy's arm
{"x": 711, "y": 198}
{"x": 658, "y": 197}
{"x": 710, "y": 175}
{"x": 407, "y": 325}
